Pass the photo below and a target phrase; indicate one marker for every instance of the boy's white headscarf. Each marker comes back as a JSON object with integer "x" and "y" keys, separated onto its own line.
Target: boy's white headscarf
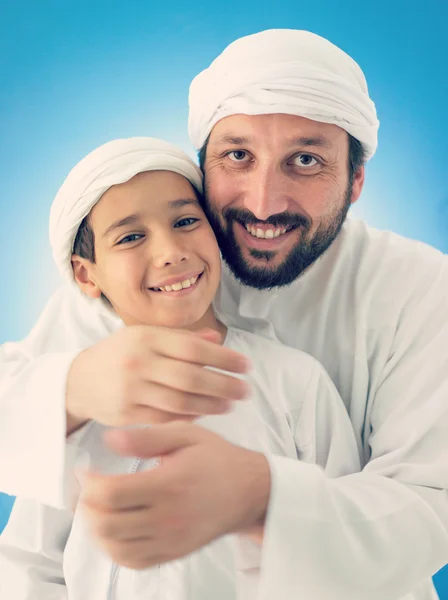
{"x": 113, "y": 163}
{"x": 284, "y": 71}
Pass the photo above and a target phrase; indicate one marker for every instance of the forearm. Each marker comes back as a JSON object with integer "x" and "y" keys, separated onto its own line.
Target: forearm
{"x": 363, "y": 536}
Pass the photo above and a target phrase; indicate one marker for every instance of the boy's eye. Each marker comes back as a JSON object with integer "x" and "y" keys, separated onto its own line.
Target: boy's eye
{"x": 186, "y": 222}
{"x": 133, "y": 237}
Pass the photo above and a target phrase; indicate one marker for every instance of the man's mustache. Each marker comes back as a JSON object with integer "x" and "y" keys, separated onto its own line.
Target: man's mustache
{"x": 284, "y": 219}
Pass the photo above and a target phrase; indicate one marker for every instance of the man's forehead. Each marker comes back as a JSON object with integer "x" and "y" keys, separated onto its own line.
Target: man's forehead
{"x": 292, "y": 129}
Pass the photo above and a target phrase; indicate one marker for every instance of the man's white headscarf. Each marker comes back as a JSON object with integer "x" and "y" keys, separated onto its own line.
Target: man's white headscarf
{"x": 113, "y": 163}
{"x": 284, "y": 71}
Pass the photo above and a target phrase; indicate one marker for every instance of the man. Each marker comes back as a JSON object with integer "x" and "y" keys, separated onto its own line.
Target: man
{"x": 284, "y": 125}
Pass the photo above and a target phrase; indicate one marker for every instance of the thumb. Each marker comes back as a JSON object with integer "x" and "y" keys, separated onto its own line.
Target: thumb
{"x": 209, "y": 334}
{"x": 153, "y": 441}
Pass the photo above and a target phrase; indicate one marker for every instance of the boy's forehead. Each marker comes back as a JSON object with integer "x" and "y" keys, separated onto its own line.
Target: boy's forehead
{"x": 147, "y": 192}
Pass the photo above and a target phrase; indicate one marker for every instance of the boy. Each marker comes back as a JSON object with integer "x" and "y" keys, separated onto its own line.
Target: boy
{"x": 128, "y": 229}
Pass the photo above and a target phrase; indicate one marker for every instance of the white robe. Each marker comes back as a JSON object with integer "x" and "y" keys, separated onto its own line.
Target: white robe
{"x": 294, "y": 411}
{"x": 374, "y": 311}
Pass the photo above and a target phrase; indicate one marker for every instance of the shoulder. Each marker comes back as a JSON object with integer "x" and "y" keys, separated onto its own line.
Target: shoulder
{"x": 387, "y": 255}
{"x": 387, "y": 271}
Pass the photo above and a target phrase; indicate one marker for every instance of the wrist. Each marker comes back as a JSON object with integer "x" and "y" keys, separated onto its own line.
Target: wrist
{"x": 75, "y": 414}
{"x": 257, "y": 493}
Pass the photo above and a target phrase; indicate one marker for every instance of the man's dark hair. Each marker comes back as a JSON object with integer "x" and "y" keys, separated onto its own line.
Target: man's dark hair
{"x": 84, "y": 245}
{"x": 356, "y": 155}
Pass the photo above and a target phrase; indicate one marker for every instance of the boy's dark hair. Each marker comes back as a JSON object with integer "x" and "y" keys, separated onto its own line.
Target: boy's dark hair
{"x": 84, "y": 245}
{"x": 356, "y": 155}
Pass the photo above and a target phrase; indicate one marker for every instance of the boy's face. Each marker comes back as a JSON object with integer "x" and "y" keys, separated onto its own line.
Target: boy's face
{"x": 150, "y": 232}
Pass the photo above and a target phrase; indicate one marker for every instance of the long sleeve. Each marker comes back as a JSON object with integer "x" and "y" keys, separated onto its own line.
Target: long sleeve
{"x": 31, "y": 552}
{"x": 377, "y": 534}
{"x": 35, "y": 460}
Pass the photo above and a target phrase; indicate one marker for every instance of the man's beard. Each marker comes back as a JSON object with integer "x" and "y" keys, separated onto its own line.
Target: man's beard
{"x": 306, "y": 251}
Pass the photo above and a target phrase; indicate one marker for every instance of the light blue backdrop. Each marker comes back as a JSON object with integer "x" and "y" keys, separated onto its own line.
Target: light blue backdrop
{"x": 75, "y": 74}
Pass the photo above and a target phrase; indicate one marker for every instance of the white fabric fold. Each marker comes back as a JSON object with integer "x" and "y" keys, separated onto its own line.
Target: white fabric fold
{"x": 284, "y": 71}
{"x": 113, "y": 163}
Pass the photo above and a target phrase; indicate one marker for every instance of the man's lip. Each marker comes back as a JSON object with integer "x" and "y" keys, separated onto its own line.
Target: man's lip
{"x": 265, "y": 243}
{"x": 266, "y": 226}
{"x": 177, "y": 279}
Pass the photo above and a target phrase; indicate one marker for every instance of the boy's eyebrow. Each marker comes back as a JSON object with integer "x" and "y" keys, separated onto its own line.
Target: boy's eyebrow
{"x": 183, "y": 202}
{"x": 131, "y": 219}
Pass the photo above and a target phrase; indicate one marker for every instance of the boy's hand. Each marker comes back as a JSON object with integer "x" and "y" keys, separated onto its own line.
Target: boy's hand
{"x": 151, "y": 375}
{"x": 205, "y": 488}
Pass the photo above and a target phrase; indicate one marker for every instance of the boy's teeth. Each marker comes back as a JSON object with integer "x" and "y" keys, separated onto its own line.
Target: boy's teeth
{"x": 266, "y": 234}
{"x": 180, "y": 285}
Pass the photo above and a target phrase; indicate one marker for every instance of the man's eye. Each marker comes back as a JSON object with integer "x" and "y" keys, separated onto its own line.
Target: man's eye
{"x": 237, "y": 155}
{"x": 186, "y": 222}
{"x": 133, "y": 237}
{"x": 305, "y": 160}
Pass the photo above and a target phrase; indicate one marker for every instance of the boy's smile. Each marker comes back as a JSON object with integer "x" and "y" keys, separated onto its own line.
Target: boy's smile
{"x": 156, "y": 257}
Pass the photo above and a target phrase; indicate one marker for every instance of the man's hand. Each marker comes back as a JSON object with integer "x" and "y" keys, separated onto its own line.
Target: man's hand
{"x": 150, "y": 375}
{"x": 205, "y": 488}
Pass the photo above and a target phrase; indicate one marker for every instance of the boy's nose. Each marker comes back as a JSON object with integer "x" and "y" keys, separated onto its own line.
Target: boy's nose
{"x": 168, "y": 253}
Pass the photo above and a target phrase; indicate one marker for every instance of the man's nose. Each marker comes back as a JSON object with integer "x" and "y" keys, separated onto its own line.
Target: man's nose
{"x": 266, "y": 193}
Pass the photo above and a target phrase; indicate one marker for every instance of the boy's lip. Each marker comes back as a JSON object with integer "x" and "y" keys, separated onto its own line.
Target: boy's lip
{"x": 177, "y": 279}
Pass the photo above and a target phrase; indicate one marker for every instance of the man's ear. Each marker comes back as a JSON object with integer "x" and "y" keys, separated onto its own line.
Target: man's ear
{"x": 83, "y": 271}
{"x": 358, "y": 183}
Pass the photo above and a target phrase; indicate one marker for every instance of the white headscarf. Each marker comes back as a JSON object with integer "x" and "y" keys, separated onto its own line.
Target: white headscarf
{"x": 113, "y": 163}
{"x": 284, "y": 71}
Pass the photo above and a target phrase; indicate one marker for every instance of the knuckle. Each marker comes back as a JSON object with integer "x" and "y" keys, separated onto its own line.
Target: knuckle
{"x": 179, "y": 403}
{"x": 110, "y": 495}
{"x": 104, "y": 527}
{"x": 193, "y": 379}
{"x": 189, "y": 348}
{"x": 131, "y": 362}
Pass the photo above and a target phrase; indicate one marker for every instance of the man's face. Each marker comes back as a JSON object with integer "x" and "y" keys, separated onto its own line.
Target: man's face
{"x": 277, "y": 193}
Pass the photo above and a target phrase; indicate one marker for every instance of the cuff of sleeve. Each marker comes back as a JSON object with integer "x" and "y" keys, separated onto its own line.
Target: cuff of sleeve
{"x": 39, "y": 437}
{"x": 290, "y": 527}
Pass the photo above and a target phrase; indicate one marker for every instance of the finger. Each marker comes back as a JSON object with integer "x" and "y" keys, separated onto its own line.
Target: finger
{"x": 138, "y": 413}
{"x": 194, "y": 379}
{"x": 169, "y": 404}
{"x": 118, "y": 525}
{"x": 155, "y": 441}
{"x": 119, "y": 492}
{"x": 209, "y": 334}
{"x": 135, "y": 554}
{"x": 188, "y": 347}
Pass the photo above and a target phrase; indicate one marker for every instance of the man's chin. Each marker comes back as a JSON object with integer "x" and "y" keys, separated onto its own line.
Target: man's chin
{"x": 259, "y": 274}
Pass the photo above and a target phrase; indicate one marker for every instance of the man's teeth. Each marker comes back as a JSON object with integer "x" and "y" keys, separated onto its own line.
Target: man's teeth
{"x": 180, "y": 285}
{"x": 266, "y": 234}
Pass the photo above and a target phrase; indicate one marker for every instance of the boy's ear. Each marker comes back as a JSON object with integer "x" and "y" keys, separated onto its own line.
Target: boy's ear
{"x": 83, "y": 273}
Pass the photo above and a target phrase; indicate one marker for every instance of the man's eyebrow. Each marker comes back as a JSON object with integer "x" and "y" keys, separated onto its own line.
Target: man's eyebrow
{"x": 129, "y": 220}
{"x": 236, "y": 140}
{"x": 318, "y": 141}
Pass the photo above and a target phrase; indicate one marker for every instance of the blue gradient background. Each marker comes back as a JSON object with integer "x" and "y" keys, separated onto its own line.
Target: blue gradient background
{"x": 76, "y": 74}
